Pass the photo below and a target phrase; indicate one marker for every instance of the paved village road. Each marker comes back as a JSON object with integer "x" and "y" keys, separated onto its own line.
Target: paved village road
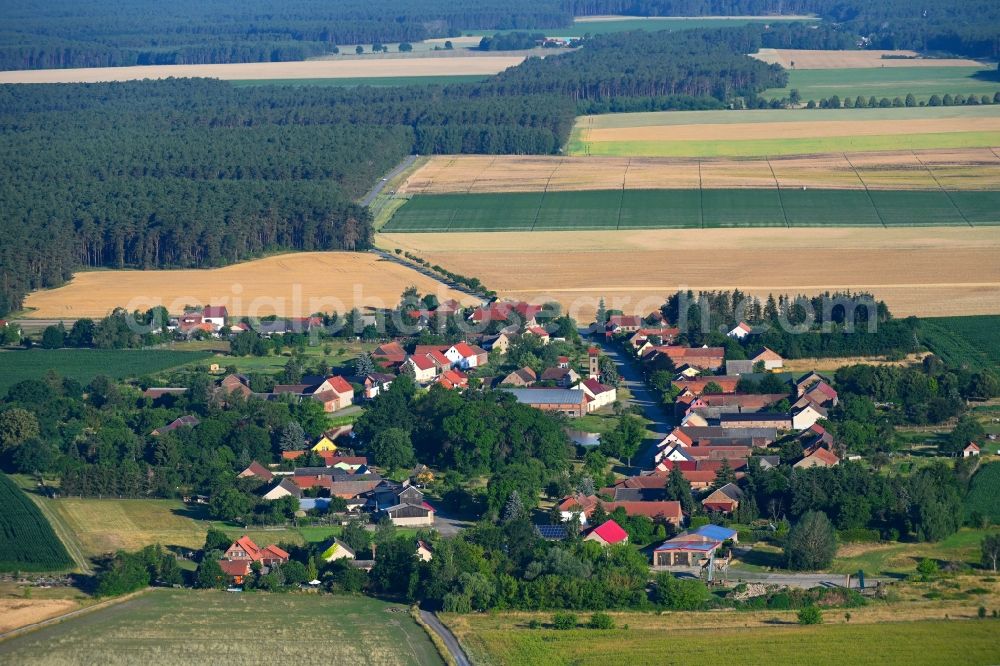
{"x": 380, "y": 185}
{"x": 645, "y": 398}
{"x": 449, "y": 639}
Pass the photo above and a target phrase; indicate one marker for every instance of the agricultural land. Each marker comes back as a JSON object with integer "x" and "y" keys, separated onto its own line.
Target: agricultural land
{"x": 26, "y": 538}
{"x": 964, "y": 341}
{"x": 805, "y": 59}
{"x": 182, "y": 626}
{"x": 85, "y": 364}
{"x": 891, "y": 82}
{"x": 784, "y": 131}
{"x": 289, "y": 285}
{"x": 576, "y": 269}
{"x": 505, "y": 640}
{"x": 310, "y": 69}
{"x": 600, "y": 25}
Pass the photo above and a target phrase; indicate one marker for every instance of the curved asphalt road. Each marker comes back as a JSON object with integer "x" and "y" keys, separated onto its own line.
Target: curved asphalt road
{"x": 380, "y": 185}
{"x": 449, "y": 638}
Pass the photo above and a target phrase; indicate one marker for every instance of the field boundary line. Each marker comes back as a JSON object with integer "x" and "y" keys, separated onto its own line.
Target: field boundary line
{"x": 621, "y": 199}
{"x": 941, "y": 187}
{"x": 777, "y": 186}
{"x": 545, "y": 190}
{"x": 484, "y": 170}
{"x": 867, "y": 191}
{"x": 992, "y": 150}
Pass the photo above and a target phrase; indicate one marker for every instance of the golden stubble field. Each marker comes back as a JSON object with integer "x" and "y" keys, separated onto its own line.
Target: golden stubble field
{"x": 289, "y": 285}
{"x": 960, "y": 169}
{"x": 347, "y": 68}
{"x": 806, "y": 59}
{"x": 926, "y": 271}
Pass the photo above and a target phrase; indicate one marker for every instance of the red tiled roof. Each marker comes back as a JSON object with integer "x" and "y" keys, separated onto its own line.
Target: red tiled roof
{"x": 235, "y": 567}
{"x": 215, "y": 311}
{"x": 464, "y": 350}
{"x": 666, "y": 509}
{"x": 595, "y": 386}
{"x": 389, "y": 349}
{"x": 423, "y": 362}
{"x": 610, "y": 532}
{"x": 339, "y": 384}
{"x": 258, "y": 470}
{"x": 275, "y": 551}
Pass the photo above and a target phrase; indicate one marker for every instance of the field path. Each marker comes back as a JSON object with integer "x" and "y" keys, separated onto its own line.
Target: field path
{"x": 64, "y": 533}
{"x": 432, "y": 621}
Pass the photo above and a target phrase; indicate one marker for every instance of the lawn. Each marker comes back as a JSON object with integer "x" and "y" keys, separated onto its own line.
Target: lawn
{"x": 890, "y": 82}
{"x": 964, "y": 341}
{"x": 85, "y": 364}
{"x": 902, "y": 558}
{"x": 201, "y": 627}
{"x": 691, "y": 208}
{"x": 494, "y": 641}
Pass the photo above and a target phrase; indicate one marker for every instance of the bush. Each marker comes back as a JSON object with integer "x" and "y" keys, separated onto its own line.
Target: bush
{"x": 859, "y": 535}
{"x": 564, "y": 621}
{"x": 810, "y": 615}
{"x": 601, "y": 621}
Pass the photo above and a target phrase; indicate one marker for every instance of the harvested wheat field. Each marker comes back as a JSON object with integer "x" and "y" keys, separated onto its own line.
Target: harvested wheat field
{"x": 289, "y": 285}
{"x": 806, "y": 59}
{"x": 347, "y": 68}
{"x": 963, "y": 169}
{"x": 20, "y": 612}
{"x": 930, "y": 271}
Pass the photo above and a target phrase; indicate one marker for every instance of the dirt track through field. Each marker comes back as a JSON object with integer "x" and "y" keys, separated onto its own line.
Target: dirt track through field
{"x": 308, "y": 69}
{"x": 808, "y": 59}
{"x": 966, "y": 169}
{"x": 290, "y": 285}
{"x": 918, "y": 271}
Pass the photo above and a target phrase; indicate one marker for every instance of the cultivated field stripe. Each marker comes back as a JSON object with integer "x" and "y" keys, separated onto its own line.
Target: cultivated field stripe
{"x": 621, "y": 201}
{"x": 777, "y": 186}
{"x": 946, "y": 193}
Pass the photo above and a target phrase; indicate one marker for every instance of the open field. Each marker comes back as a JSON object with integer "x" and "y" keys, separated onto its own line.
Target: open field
{"x": 85, "y": 364}
{"x": 495, "y": 640}
{"x": 289, "y": 285}
{"x": 796, "y": 59}
{"x": 600, "y": 25}
{"x": 966, "y": 169}
{"x": 984, "y": 493}
{"x": 922, "y": 82}
{"x": 20, "y": 612}
{"x": 374, "y": 81}
{"x": 901, "y": 558}
{"x": 639, "y": 268}
{"x": 785, "y": 132}
{"x": 188, "y": 627}
{"x": 968, "y": 341}
{"x": 346, "y": 68}
{"x": 682, "y": 209}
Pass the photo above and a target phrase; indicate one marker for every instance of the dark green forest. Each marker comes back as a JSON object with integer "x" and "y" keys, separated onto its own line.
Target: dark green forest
{"x": 97, "y": 33}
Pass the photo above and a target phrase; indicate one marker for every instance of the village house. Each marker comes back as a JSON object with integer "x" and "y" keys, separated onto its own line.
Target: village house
{"x": 508, "y": 312}
{"x": 539, "y": 333}
{"x": 389, "y": 355}
{"x": 256, "y": 470}
{"x": 520, "y": 378}
{"x": 243, "y": 552}
{"x": 607, "y": 534}
{"x": 622, "y": 324}
{"x": 739, "y": 367}
{"x": 337, "y": 550}
{"x": 702, "y": 358}
{"x": 410, "y": 509}
{"x": 498, "y": 343}
{"x": 771, "y": 359}
{"x": 740, "y": 331}
{"x": 578, "y": 506}
{"x": 465, "y": 356}
{"x": 423, "y": 369}
{"x": 571, "y": 402}
{"x": 598, "y": 395}
{"x": 215, "y": 315}
{"x": 696, "y": 385}
{"x": 971, "y": 450}
{"x": 818, "y": 458}
{"x": 807, "y": 416}
{"x": 453, "y": 379}
{"x": 723, "y": 500}
{"x": 424, "y": 552}
{"x": 563, "y": 377}
{"x": 776, "y": 420}
{"x": 285, "y": 487}
{"x": 375, "y": 383}
{"x": 187, "y": 421}
{"x": 235, "y": 384}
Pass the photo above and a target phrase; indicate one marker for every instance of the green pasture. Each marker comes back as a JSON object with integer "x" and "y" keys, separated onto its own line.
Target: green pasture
{"x": 888, "y": 82}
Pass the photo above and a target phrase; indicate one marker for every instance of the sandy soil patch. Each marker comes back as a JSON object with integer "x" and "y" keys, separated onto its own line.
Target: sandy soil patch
{"x": 16, "y": 613}
{"x": 308, "y": 69}
{"x": 290, "y": 285}
{"x": 805, "y": 59}
{"x": 968, "y": 169}
{"x": 640, "y": 268}
{"x": 791, "y": 130}
{"x": 833, "y": 364}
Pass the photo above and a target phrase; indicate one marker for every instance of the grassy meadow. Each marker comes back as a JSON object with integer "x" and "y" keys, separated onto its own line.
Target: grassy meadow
{"x": 888, "y": 82}
{"x": 651, "y": 640}
{"x": 968, "y": 341}
{"x": 984, "y": 493}
{"x": 679, "y": 209}
{"x": 188, "y": 627}
{"x": 85, "y": 364}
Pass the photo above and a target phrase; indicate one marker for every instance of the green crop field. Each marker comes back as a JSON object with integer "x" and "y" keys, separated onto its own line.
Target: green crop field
{"x": 774, "y": 147}
{"x": 203, "y": 627}
{"x": 889, "y": 82}
{"x": 905, "y": 643}
{"x": 672, "y": 23}
{"x": 984, "y": 493}
{"x": 27, "y": 542}
{"x": 649, "y": 209}
{"x": 85, "y": 364}
{"x": 375, "y": 81}
{"x": 971, "y": 341}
